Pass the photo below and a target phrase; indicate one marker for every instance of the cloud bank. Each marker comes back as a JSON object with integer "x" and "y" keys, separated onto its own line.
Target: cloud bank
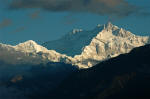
{"x": 118, "y": 8}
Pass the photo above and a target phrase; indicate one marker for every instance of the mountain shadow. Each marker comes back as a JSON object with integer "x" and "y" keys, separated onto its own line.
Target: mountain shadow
{"x": 124, "y": 77}
{"x": 25, "y": 80}
{"x": 72, "y": 43}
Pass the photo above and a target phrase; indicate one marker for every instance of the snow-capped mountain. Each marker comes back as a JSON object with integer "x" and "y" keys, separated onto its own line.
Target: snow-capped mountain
{"x": 101, "y": 43}
{"x": 30, "y": 52}
{"x": 78, "y": 47}
{"x": 110, "y": 42}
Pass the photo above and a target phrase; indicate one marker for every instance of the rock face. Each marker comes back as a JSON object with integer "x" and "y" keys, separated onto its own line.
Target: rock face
{"x": 78, "y": 47}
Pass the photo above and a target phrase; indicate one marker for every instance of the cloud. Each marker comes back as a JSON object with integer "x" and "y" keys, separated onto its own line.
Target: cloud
{"x": 5, "y": 23}
{"x": 118, "y": 8}
{"x": 34, "y": 15}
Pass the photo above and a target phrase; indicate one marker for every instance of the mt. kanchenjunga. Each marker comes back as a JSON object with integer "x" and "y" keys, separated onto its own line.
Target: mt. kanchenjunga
{"x": 90, "y": 47}
{"x": 78, "y": 47}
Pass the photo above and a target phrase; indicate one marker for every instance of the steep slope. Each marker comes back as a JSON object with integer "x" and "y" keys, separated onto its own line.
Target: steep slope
{"x": 101, "y": 43}
{"x": 124, "y": 77}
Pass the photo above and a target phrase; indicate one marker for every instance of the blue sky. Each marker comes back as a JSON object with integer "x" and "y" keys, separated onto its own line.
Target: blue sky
{"x": 19, "y": 25}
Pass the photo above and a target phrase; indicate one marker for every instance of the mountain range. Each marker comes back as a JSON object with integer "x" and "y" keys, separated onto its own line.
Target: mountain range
{"x": 101, "y": 43}
{"x": 107, "y": 62}
{"x": 78, "y": 47}
{"x": 126, "y": 76}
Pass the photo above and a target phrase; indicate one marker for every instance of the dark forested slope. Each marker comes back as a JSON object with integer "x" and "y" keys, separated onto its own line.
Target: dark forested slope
{"x": 124, "y": 77}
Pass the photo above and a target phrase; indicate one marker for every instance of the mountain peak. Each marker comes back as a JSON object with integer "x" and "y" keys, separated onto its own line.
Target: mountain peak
{"x": 30, "y": 42}
{"x": 112, "y": 29}
{"x": 109, "y": 26}
{"x": 30, "y": 46}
